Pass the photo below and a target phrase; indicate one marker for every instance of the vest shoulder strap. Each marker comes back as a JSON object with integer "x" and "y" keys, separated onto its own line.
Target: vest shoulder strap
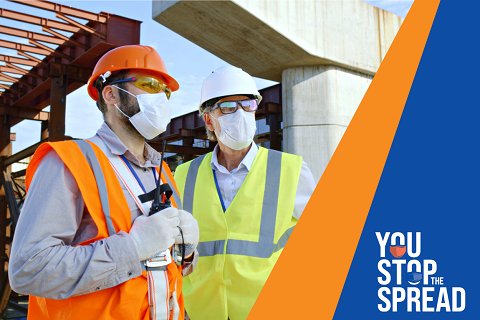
{"x": 186, "y": 176}
{"x": 92, "y": 171}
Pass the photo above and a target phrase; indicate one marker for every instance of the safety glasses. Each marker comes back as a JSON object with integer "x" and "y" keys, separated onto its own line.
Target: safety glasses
{"x": 148, "y": 84}
{"x": 227, "y": 107}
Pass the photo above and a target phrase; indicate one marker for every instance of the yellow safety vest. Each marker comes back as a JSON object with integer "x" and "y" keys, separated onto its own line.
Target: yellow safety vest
{"x": 238, "y": 248}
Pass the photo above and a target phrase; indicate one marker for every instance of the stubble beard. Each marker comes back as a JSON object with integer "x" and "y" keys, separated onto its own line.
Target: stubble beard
{"x": 130, "y": 109}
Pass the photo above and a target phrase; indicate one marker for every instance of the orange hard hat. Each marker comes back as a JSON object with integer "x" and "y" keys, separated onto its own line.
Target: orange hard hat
{"x": 134, "y": 57}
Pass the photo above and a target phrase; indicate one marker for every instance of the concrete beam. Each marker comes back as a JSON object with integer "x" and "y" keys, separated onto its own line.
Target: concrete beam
{"x": 265, "y": 37}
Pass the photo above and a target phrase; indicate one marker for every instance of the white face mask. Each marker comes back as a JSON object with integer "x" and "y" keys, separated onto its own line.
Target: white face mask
{"x": 154, "y": 114}
{"x": 237, "y": 129}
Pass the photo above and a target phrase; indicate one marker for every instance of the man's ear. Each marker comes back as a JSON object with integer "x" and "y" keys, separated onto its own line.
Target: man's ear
{"x": 109, "y": 95}
{"x": 208, "y": 121}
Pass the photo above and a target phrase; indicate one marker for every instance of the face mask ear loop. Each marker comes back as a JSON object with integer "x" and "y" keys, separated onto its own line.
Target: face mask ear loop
{"x": 211, "y": 115}
{"x": 126, "y": 92}
{"x": 123, "y": 90}
{"x": 121, "y": 111}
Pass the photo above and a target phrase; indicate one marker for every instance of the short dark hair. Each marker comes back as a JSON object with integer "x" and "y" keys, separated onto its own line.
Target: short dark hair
{"x": 116, "y": 75}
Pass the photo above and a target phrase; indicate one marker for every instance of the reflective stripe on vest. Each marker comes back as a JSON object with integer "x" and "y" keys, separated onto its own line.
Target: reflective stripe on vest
{"x": 92, "y": 160}
{"x": 190, "y": 184}
{"x": 102, "y": 194}
{"x": 124, "y": 173}
{"x": 158, "y": 288}
{"x": 239, "y": 246}
{"x": 265, "y": 246}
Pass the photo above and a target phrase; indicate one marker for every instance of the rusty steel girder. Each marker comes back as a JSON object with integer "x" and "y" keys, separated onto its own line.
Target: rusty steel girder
{"x": 88, "y": 42}
{"x": 66, "y": 10}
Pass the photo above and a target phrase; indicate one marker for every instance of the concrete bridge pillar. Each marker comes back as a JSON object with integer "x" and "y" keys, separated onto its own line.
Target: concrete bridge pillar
{"x": 325, "y": 53}
{"x": 318, "y": 104}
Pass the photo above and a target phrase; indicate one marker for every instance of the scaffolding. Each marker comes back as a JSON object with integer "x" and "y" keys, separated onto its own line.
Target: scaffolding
{"x": 54, "y": 63}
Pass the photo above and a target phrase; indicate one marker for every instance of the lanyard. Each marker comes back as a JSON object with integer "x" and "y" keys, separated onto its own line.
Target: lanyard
{"x": 126, "y": 164}
{"x": 135, "y": 174}
{"x": 218, "y": 191}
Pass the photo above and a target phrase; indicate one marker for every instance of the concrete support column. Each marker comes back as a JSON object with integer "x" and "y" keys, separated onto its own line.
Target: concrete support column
{"x": 318, "y": 104}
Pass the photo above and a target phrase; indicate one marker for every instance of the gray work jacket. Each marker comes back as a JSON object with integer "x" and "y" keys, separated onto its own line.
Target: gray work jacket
{"x": 44, "y": 261}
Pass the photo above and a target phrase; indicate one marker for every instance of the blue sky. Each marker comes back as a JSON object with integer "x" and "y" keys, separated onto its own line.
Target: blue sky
{"x": 185, "y": 61}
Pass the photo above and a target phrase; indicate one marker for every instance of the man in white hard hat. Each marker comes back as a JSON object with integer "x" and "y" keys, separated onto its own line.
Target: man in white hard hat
{"x": 246, "y": 199}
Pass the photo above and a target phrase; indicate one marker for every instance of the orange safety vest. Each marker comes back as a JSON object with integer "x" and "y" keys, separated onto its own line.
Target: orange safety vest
{"x": 127, "y": 300}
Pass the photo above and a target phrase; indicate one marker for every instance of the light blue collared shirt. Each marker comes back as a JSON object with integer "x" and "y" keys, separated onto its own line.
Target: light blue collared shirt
{"x": 230, "y": 182}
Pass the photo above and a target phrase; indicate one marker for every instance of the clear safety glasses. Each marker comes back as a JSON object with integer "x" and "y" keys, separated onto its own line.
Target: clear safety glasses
{"x": 149, "y": 84}
{"x": 227, "y": 107}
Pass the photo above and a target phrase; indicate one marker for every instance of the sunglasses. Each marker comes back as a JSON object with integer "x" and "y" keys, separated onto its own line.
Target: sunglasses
{"x": 148, "y": 84}
{"x": 227, "y": 107}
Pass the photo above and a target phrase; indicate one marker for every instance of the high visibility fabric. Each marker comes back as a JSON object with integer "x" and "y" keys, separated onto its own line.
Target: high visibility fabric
{"x": 238, "y": 248}
{"x": 157, "y": 280}
{"x": 134, "y": 188}
{"x": 125, "y": 301}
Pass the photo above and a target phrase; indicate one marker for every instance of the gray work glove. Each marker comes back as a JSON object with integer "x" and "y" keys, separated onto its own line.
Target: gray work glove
{"x": 155, "y": 233}
{"x": 190, "y": 232}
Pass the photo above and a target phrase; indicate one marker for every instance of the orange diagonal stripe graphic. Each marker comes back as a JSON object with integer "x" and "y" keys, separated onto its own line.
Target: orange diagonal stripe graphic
{"x": 309, "y": 276}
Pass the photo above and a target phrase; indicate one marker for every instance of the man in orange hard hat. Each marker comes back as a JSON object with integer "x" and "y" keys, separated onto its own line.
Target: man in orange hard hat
{"x": 85, "y": 245}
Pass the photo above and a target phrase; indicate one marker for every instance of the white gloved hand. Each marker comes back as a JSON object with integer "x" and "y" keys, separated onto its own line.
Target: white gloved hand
{"x": 155, "y": 233}
{"x": 190, "y": 231}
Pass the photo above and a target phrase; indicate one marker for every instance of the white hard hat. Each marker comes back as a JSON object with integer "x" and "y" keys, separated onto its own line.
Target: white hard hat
{"x": 228, "y": 81}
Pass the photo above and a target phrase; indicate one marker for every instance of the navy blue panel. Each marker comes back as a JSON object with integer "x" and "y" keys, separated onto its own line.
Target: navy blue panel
{"x": 431, "y": 180}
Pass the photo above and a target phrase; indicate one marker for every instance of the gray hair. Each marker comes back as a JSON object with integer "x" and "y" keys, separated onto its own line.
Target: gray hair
{"x": 202, "y": 111}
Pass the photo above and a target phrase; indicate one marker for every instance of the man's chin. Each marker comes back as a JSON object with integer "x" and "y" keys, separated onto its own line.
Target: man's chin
{"x": 130, "y": 129}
